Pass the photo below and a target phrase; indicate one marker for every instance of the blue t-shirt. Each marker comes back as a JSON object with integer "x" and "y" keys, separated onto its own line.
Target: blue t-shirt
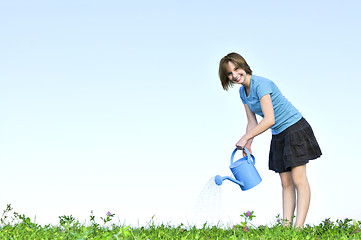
{"x": 285, "y": 113}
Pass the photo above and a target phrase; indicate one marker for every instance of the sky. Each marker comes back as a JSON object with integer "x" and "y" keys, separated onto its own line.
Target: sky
{"x": 117, "y": 105}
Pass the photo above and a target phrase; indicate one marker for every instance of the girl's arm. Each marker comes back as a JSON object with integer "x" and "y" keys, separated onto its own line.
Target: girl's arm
{"x": 251, "y": 123}
{"x": 267, "y": 121}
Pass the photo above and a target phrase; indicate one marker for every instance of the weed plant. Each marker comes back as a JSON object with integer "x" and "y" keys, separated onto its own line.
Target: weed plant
{"x": 18, "y": 226}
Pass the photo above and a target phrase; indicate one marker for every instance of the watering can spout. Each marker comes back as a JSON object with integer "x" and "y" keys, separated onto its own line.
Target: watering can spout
{"x": 219, "y": 180}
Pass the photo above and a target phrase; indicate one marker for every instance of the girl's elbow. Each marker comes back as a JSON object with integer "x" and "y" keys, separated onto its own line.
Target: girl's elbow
{"x": 271, "y": 121}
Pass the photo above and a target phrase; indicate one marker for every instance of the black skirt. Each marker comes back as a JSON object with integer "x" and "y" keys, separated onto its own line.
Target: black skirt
{"x": 293, "y": 147}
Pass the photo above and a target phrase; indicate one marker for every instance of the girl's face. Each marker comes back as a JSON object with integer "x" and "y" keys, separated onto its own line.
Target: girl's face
{"x": 235, "y": 75}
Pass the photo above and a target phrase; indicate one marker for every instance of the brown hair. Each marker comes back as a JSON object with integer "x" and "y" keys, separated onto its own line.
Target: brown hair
{"x": 238, "y": 61}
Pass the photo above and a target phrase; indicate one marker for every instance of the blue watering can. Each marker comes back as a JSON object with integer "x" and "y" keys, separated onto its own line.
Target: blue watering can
{"x": 244, "y": 171}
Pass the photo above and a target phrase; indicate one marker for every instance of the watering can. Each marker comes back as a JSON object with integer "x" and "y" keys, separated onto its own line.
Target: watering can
{"x": 244, "y": 171}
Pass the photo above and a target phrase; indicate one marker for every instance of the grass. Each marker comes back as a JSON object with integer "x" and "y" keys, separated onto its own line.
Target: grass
{"x": 18, "y": 226}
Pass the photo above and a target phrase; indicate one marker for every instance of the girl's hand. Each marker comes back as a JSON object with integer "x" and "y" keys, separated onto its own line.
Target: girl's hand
{"x": 243, "y": 143}
{"x": 248, "y": 146}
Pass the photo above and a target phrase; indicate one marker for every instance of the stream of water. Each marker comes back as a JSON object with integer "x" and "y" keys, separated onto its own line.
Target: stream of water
{"x": 208, "y": 207}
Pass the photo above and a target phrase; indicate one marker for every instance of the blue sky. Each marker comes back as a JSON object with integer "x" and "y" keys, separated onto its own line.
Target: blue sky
{"x": 117, "y": 106}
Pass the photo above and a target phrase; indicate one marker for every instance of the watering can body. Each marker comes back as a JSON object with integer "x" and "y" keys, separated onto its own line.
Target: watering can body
{"x": 244, "y": 172}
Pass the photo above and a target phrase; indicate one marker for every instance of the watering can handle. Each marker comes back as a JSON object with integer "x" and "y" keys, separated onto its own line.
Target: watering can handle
{"x": 249, "y": 158}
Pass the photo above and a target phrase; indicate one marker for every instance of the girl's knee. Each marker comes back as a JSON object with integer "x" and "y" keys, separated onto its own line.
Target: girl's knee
{"x": 286, "y": 180}
{"x": 299, "y": 175}
{"x": 301, "y": 182}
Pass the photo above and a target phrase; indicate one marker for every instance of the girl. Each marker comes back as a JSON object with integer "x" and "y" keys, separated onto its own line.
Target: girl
{"x": 293, "y": 143}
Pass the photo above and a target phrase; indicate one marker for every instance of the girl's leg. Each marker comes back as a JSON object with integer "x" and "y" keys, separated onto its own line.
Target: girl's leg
{"x": 288, "y": 197}
{"x": 303, "y": 194}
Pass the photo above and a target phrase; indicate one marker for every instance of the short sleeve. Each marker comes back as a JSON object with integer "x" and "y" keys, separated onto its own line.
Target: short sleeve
{"x": 264, "y": 87}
